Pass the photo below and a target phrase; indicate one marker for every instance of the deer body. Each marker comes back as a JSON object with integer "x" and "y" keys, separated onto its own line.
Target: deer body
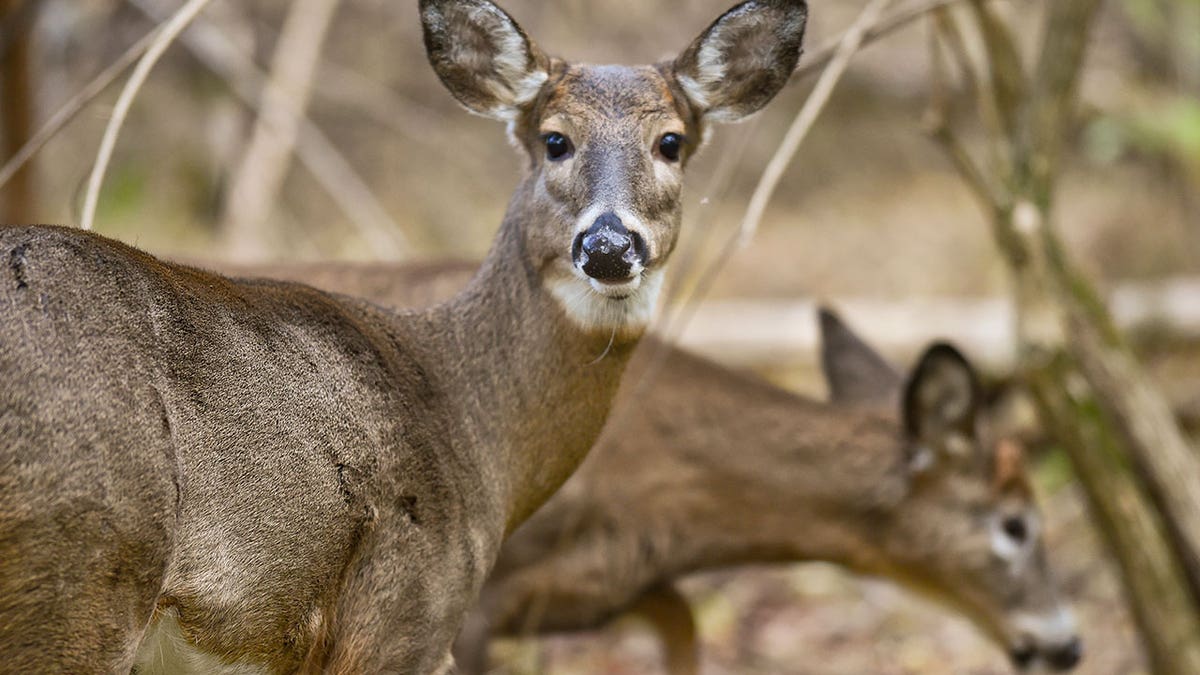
{"x": 701, "y": 467}
{"x": 279, "y": 436}
{"x": 199, "y": 474}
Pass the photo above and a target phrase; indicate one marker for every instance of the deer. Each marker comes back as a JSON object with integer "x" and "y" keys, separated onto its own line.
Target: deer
{"x": 201, "y": 474}
{"x": 702, "y": 467}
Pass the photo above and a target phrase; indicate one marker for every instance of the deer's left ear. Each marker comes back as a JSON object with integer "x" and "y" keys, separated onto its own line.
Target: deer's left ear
{"x": 743, "y": 59}
{"x": 482, "y": 56}
{"x": 943, "y": 396}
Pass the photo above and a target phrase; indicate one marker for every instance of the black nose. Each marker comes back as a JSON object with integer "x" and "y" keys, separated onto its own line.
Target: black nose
{"x": 607, "y": 251}
{"x": 1022, "y": 657}
{"x": 1065, "y": 657}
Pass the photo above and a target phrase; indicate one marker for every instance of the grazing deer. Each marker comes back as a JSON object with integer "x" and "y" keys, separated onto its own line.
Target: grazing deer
{"x": 706, "y": 468}
{"x": 206, "y": 475}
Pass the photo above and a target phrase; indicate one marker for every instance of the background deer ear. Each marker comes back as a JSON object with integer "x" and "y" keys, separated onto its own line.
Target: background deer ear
{"x": 482, "y": 56}
{"x": 743, "y": 59}
{"x": 942, "y": 398}
{"x": 1008, "y": 467}
{"x": 855, "y": 373}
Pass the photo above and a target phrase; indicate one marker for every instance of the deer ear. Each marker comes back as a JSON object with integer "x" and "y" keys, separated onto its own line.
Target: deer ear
{"x": 1008, "y": 467}
{"x": 743, "y": 59}
{"x": 855, "y": 373}
{"x": 482, "y": 56}
{"x": 942, "y": 398}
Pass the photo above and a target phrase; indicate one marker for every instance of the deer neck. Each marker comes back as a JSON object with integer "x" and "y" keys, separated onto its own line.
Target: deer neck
{"x": 529, "y": 391}
{"x": 790, "y": 480}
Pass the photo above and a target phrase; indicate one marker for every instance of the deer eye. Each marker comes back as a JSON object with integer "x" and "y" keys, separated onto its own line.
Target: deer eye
{"x": 669, "y": 146}
{"x": 558, "y": 147}
{"x": 1015, "y": 528}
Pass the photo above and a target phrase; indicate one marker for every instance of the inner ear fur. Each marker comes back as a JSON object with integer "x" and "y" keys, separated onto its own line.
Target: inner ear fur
{"x": 482, "y": 56}
{"x": 942, "y": 397}
{"x": 742, "y": 60}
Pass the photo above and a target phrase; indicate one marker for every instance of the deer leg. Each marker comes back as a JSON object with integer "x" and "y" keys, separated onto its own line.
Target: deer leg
{"x": 394, "y": 616}
{"x": 671, "y": 617}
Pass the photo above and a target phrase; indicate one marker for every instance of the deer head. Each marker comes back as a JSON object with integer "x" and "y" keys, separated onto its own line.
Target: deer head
{"x": 964, "y": 528}
{"x": 598, "y": 212}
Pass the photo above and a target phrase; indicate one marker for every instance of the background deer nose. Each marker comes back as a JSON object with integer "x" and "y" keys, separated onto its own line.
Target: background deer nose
{"x": 1065, "y": 657}
{"x": 607, "y": 251}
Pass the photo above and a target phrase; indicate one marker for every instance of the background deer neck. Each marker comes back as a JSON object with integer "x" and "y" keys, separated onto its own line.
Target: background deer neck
{"x": 756, "y": 474}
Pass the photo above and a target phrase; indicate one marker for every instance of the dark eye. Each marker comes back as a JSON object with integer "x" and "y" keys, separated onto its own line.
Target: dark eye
{"x": 557, "y": 146}
{"x": 669, "y": 146}
{"x": 1015, "y": 528}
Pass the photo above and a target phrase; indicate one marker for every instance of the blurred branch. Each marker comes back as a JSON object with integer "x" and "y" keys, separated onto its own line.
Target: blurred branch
{"x": 170, "y": 30}
{"x": 850, "y": 43}
{"x": 315, "y": 151}
{"x": 821, "y": 56}
{"x": 937, "y": 124}
{"x": 259, "y": 177}
{"x": 1141, "y": 477}
{"x": 74, "y": 105}
{"x": 1007, "y": 75}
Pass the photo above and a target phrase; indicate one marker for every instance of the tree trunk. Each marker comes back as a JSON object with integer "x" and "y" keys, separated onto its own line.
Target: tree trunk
{"x": 16, "y": 21}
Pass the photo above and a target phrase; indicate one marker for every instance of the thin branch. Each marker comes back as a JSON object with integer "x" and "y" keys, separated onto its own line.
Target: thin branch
{"x": 820, "y": 57}
{"x": 264, "y": 166}
{"x": 69, "y": 110}
{"x": 851, "y": 41}
{"x": 162, "y": 41}
{"x": 937, "y": 125}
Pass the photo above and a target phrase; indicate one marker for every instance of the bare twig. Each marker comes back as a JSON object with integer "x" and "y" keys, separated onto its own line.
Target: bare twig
{"x": 850, "y": 43}
{"x": 154, "y": 52}
{"x": 937, "y": 122}
{"x": 821, "y": 56}
{"x": 260, "y": 175}
{"x": 69, "y": 110}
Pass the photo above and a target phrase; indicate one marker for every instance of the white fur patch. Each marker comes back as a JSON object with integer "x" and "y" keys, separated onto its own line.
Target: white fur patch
{"x": 519, "y": 81}
{"x": 1057, "y": 627}
{"x": 164, "y": 650}
{"x": 595, "y": 312}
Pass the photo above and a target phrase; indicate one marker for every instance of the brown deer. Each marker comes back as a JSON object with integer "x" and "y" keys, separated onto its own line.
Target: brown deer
{"x": 206, "y": 475}
{"x": 703, "y": 468}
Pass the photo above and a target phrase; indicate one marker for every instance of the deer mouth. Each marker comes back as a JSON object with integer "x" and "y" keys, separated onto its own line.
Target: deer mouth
{"x": 616, "y": 289}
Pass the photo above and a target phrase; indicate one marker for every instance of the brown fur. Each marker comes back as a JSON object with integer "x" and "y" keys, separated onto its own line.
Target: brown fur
{"x": 298, "y": 479}
{"x": 701, "y": 467}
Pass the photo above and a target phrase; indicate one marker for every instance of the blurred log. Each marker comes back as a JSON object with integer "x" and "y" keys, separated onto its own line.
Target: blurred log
{"x": 16, "y": 105}
{"x": 259, "y": 177}
{"x": 760, "y": 331}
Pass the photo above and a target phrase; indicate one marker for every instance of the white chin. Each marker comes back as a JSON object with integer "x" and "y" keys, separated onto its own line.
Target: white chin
{"x": 595, "y": 306}
{"x": 616, "y": 291}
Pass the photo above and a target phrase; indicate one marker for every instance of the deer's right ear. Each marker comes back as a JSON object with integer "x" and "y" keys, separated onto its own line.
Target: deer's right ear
{"x": 482, "y": 56}
{"x": 942, "y": 398}
{"x": 743, "y": 59}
